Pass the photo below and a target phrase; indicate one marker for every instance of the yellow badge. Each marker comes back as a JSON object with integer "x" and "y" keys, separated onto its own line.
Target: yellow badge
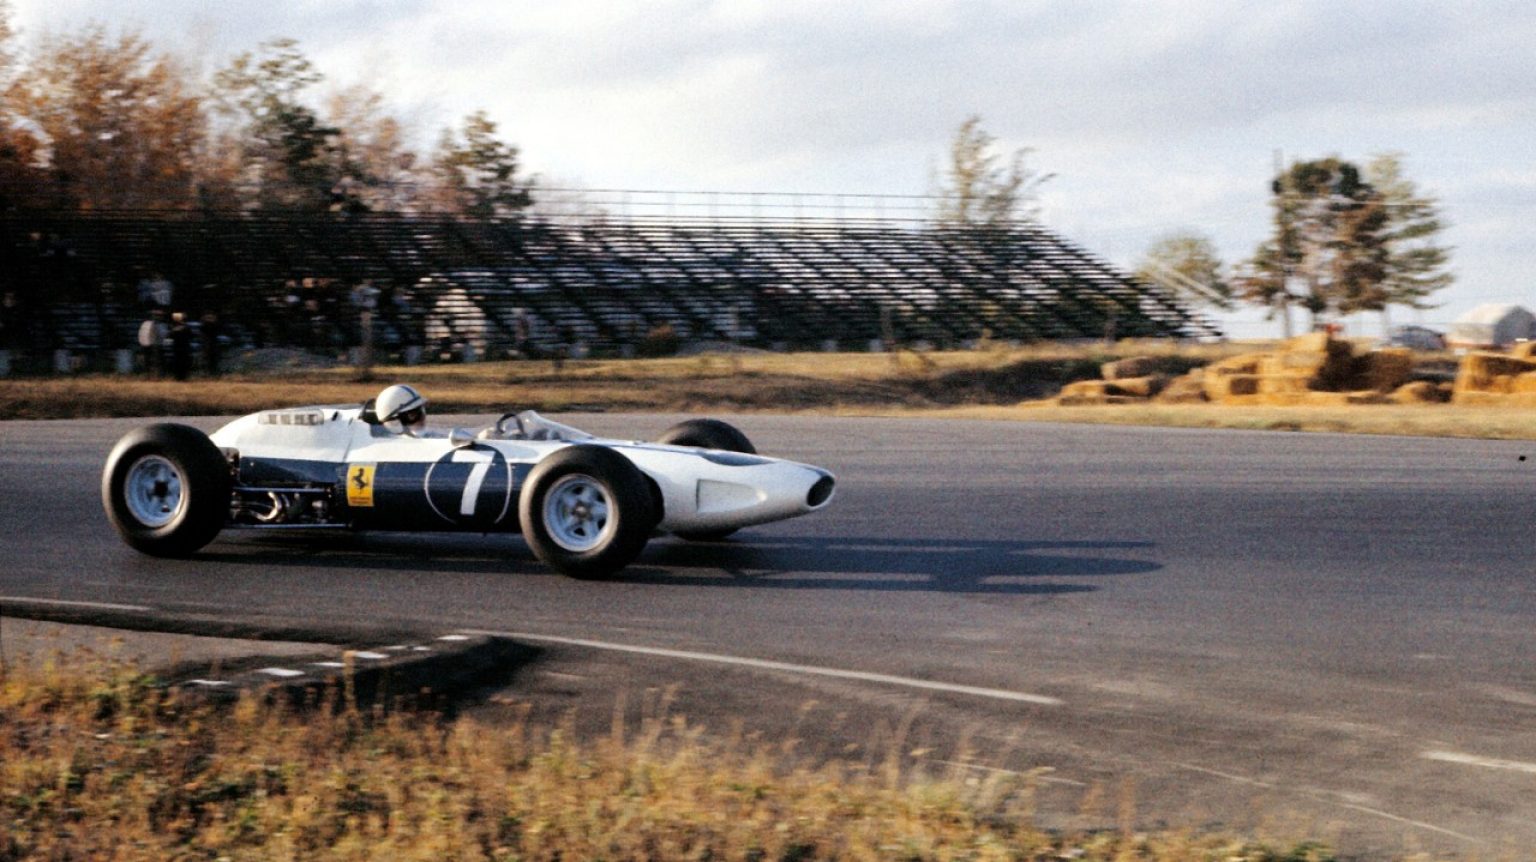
{"x": 360, "y": 485}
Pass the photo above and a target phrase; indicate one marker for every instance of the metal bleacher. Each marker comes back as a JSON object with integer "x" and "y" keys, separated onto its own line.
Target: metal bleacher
{"x": 601, "y": 283}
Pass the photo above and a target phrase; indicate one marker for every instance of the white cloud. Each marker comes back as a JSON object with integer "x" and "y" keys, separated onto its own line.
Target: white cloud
{"x": 1156, "y": 115}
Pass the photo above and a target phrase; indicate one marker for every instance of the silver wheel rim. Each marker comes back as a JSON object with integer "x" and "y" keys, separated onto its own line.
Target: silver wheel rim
{"x": 153, "y": 491}
{"x": 577, "y": 513}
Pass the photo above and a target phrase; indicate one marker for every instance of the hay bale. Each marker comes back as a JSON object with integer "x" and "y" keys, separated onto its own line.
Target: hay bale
{"x": 1419, "y": 392}
{"x": 1247, "y": 363}
{"x": 1134, "y": 367}
{"x": 1139, "y": 387}
{"x": 1310, "y": 364}
{"x": 1523, "y": 383}
{"x": 1229, "y": 386}
{"x": 1285, "y": 384}
{"x": 1366, "y": 396}
{"x": 1319, "y": 343}
{"x": 1489, "y": 373}
{"x": 1085, "y": 389}
{"x": 1189, "y": 389}
{"x": 1388, "y": 368}
{"x": 1523, "y": 350}
{"x": 1312, "y": 342}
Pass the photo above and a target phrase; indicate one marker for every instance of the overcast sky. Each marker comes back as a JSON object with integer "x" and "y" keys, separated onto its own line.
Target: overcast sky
{"x": 1155, "y": 116}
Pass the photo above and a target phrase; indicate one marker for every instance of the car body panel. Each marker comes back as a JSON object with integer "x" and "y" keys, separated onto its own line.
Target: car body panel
{"x": 389, "y": 481}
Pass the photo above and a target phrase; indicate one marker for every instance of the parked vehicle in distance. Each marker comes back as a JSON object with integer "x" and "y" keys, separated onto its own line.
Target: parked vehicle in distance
{"x": 1414, "y": 338}
{"x": 587, "y": 506}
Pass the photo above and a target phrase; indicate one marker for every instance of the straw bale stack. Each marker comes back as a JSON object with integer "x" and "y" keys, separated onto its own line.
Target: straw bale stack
{"x": 1092, "y": 392}
{"x": 1523, "y": 383}
{"x": 1387, "y": 369}
{"x": 1312, "y": 369}
{"x": 1488, "y": 374}
{"x": 1189, "y": 389}
{"x": 1420, "y": 392}
{"x": 1139, "y": 387}
{"x": 1132, "y": 368}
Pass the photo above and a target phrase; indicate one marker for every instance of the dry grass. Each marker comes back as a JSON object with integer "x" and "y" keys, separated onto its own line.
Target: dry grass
{"x": 987, "y": 383}
{"x": 98, "y": 762}
{"x": 742, "y": 381}
{"x": 1424, "y": 420}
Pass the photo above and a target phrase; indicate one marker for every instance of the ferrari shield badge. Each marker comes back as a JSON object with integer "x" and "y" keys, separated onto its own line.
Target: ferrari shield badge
{"x": 360, "y": 485}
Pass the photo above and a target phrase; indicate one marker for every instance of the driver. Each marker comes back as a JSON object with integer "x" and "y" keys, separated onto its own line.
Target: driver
{"x": 402, "y": 409}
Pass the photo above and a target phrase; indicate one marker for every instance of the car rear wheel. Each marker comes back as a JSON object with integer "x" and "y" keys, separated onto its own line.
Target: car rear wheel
{"x": 166, "y": 489}
{"x": 707, "y": 434}
{"x": 586, "y": 511}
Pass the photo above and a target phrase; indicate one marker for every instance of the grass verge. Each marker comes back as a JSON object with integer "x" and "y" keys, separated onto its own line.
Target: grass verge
{"x": 980, "y": 384}
{"x": 98, "y": 761}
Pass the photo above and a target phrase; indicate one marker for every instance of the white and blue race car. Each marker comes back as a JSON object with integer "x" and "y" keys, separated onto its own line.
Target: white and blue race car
{"x": 586, "y": 506}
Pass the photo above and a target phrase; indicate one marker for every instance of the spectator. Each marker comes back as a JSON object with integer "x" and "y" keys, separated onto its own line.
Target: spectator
{"x": 156, "y": 292}
{"x": 181, "y": 347}
{"x": 12, "y": 331}
{"x": 213, "y": 349}
{"x": 520, "y": 332}
{"x": 152, "y": 333}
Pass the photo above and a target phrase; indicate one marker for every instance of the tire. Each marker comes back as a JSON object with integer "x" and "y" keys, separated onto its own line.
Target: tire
{"x": 586, "y": 511}
{"x": 707, "y": 434}
{"x": 166, "y": 489}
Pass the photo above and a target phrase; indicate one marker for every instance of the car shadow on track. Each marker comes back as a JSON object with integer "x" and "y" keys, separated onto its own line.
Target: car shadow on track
{"x": 747, "y": 561}
{"x": 925, "y": 565}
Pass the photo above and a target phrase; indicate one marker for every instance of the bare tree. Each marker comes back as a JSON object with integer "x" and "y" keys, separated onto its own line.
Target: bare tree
{"x": 1187, "y": 264}
{"x": 982, "y": 187}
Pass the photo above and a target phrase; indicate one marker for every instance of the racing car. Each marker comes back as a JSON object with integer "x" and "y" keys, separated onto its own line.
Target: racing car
{"x": 586, "y": 506}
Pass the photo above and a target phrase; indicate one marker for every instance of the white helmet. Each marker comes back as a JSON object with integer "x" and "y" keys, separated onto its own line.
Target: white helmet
{"x": 403, "y": 405}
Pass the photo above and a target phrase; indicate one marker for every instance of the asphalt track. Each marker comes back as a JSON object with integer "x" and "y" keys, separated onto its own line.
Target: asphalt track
{"x": 1295, "y": 634}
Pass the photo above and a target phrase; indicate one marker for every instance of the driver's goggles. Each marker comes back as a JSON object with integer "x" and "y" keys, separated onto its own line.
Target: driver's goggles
{"x": 412, "y": 417}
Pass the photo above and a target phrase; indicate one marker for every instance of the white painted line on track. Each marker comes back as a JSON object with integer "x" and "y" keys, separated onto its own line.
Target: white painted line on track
{"x": 1328, "y": 798}
{"x": 812, "y": 670}
{"x": 1485, "y": 762}
{"x": 100, "y": 606}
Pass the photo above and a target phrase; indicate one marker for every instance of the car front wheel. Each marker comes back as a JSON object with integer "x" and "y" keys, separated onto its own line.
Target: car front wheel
{"x": 586, "y": 511}
{"x": 166, "y": 489}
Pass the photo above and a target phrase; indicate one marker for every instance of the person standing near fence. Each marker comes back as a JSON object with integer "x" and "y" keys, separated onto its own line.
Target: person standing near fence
{"x": 151, "y": 342}
{"x": 181, "y": 347}
{"x": 213, "y": 350}
{"x": 11, "y": 332}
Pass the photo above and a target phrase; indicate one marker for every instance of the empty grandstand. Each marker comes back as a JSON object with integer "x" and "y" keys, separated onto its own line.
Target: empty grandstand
{"x": 457, "y": 287}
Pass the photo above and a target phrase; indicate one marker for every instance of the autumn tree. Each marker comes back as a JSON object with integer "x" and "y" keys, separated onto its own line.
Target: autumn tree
{"x": 475, "y": 173}
{"x": 292, "y": 159}
{"x": 20, "y": 148}
{"x": 1326, "y": 250}
{"x": 120, "y": 125}
{"x": 1415, "y": 263}
{"x": 1347, "y": 241}
{"x": 380, "y": 169}
{"x": 980, "y": 186}
{"x": 1187, "y": 264}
